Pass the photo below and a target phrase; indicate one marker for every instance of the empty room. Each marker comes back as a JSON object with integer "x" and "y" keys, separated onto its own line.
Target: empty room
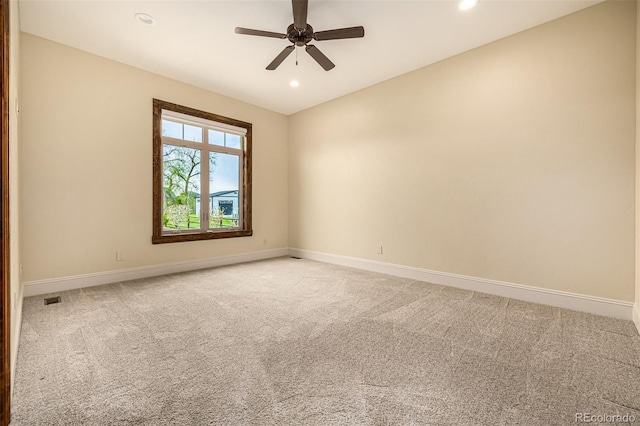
{"x": 319, "y": 212}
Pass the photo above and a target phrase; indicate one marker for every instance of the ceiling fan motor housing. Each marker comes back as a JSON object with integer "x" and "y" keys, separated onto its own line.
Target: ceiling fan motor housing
{"x": 299, "y": 38}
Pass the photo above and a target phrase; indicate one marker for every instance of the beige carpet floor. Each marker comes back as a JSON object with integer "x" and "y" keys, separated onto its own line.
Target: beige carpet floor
{"x": 297, "y": 342}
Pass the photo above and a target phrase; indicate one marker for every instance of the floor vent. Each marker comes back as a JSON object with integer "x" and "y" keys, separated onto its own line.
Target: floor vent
{"x": 52, "y": 300}
{"x": 293, "y": 257}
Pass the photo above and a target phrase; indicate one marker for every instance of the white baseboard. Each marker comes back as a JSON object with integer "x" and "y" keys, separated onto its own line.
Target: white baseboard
{"x": 577, "y": 302}
{"x": 35, "y": 288}
{"x": 636, "y": 316}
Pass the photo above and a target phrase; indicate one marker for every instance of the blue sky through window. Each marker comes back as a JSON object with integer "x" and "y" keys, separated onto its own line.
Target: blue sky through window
{"x": 225, "y": 174}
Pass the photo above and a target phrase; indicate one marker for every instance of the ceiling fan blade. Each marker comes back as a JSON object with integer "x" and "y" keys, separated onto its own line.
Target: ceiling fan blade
{"x": 351, "y": 32}
{"x": 281, "y": 57}
{"x": 260, "y": 33}
{"x": 300, "y": 14}
{"x": 319, "y": 57}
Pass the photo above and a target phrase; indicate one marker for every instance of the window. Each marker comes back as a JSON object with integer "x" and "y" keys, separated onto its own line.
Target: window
{"x": 201, "y": 175}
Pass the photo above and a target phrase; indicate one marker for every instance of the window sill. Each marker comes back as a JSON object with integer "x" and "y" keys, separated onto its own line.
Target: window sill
{"x": 200, "y": 236}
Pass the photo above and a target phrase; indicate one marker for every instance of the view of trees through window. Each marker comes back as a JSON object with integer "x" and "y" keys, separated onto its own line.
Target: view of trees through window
{"x": 183, "y": 183}
{"x": 181, "y": 168}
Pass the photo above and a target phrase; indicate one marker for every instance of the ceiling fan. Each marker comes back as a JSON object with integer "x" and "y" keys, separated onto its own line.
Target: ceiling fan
{"x": 300, "y": 33}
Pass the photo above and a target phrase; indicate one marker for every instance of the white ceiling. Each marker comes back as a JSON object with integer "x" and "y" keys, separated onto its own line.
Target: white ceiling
{"x": 194, "y": 41}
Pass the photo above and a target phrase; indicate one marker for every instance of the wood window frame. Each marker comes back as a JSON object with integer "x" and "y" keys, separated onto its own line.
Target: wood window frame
{"x": 245, "y": 228}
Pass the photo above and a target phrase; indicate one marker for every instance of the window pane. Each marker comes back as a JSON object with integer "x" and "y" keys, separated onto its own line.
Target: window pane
{"x": 192, "y": 133}
{"x": 181, "y": 184}
{"x": 171, "y": 129}
{"x": 216, "y": 138}
{"x": 233, "y": 141}
{"x": 224, "y": 185}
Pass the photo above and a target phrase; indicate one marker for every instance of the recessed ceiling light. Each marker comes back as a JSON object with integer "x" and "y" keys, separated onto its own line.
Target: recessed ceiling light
{"x": 145, "y": 19}
{"x": 467, "y": 4}
{"x": 294, "y": 83}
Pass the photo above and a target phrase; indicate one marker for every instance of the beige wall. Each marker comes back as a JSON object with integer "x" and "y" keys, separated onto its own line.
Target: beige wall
{"x": 86, "y": 165}
{"x": 513, "y": 162}
{"x": 14, "y": 180}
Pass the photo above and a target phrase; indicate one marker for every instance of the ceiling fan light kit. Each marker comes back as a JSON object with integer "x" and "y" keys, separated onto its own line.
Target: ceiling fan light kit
{"x": 300, "y": 33}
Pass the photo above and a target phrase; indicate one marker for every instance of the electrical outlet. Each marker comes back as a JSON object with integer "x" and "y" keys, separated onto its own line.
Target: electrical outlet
{"x": 119, "y": 256}
{"x": 380, "y": 249}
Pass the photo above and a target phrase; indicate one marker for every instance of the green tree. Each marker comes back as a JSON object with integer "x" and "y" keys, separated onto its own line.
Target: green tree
{"x": 181, "y": 171}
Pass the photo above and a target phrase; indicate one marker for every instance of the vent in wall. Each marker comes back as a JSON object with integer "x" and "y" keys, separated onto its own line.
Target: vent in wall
{"x": 52, "y": 300}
